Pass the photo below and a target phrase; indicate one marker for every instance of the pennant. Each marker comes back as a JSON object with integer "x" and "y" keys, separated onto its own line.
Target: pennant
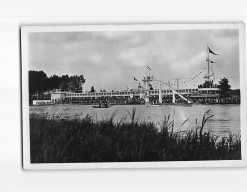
{"x": 210, "y": 51}
{"x": 210, "y": 60}
{"x": 135, "y": 79}
{"x": 148, "y": 68}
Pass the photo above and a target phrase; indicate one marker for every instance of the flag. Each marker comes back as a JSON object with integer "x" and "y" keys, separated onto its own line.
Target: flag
{"x": 210, "y": 60}
{"x": 210, "y": 51}
{"x": 148, "y": 68}
{"x": 135, "y": 79}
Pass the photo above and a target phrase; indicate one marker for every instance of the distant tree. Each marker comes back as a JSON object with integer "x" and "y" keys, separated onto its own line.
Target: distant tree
{"x": 92, "y": 89}
{"x": 53, "y": 82}
{"x": 224, "y": 87}
{"x": 208, "y": 84}
{"x": 75, "y": 83}
{"x": 72, "y": 83}
{"x": 64, "y": 83}
{"x": 37, "y": 82}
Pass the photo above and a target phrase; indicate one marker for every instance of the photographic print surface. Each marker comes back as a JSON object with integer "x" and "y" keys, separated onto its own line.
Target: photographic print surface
{"x": 133, "y": 96}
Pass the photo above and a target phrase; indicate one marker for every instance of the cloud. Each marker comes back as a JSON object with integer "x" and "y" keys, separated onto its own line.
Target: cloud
{"x": 188, "y": 64}
{"x": 111, "y": 35}
{"x": 225, "y": 33}
{"x": 112, "y": 59}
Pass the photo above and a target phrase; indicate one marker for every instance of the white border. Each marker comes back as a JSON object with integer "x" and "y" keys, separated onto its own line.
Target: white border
{"x": 134, "y": 27}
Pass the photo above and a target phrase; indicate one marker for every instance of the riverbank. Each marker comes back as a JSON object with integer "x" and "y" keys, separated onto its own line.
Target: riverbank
{"x": 56, "y": 140}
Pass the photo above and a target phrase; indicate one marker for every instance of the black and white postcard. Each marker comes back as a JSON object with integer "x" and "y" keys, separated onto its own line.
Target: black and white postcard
{"x": 133, "y": 96}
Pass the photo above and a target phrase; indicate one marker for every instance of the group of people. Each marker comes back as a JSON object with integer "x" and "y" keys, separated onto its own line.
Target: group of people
{"x": 114, "y": 100}
{"x": 101, "y": 100}
{"x": 126, "y": 100}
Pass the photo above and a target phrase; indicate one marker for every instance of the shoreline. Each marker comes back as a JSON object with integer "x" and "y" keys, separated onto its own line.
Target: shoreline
{"x": 178, "y": 104}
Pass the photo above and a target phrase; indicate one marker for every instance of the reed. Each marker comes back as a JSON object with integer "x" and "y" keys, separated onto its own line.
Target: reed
{"x": 57, "y": 140}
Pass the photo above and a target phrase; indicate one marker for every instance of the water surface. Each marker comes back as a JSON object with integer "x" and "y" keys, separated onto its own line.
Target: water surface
{"x": 226, "y": 117}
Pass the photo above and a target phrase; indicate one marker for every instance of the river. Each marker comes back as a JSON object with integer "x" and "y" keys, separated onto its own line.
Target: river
{"x": 226, "y": 118}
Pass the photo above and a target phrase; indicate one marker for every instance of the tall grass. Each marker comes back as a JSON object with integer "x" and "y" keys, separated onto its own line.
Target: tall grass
{"x": 56, "y": 140}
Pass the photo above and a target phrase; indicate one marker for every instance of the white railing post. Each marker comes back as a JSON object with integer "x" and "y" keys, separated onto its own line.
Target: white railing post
{"x": 173, "y": 97}
{"x": 160, "y": 95}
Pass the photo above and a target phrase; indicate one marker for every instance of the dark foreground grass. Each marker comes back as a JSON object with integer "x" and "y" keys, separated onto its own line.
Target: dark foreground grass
{"x": 86, "y": 140}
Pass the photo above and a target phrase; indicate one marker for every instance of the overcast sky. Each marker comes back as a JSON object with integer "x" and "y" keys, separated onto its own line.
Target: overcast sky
{"x": 110, "y": 60}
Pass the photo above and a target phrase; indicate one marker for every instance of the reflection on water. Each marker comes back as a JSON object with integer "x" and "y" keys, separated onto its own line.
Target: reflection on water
{"x": 226, "y": 117}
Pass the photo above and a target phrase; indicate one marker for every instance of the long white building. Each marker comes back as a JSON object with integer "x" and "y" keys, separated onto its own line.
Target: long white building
{"x": 140, "y": 93}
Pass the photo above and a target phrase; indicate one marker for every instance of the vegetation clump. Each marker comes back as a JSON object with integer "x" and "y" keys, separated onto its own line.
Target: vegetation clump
{"x": 56, "y": 140}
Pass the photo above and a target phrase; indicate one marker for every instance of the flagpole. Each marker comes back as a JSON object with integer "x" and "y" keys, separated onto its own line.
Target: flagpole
{"x": 146, "y": 70}
{"x": 208, "y": 63}
{"x": 177, "y": 83}
{"x": 133, "y": 85}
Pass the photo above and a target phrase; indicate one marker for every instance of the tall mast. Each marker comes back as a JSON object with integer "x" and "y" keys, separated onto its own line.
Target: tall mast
{"x": 208, "y": 62}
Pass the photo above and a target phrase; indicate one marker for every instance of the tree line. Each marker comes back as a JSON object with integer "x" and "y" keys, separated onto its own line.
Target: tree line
{"x": 223, "y": 86}
{"x": 39, "y": 82}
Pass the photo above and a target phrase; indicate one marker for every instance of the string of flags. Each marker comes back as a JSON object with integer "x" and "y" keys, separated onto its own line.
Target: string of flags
{"x": 186, "y": 81}
{"x": 196, "y": 76}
